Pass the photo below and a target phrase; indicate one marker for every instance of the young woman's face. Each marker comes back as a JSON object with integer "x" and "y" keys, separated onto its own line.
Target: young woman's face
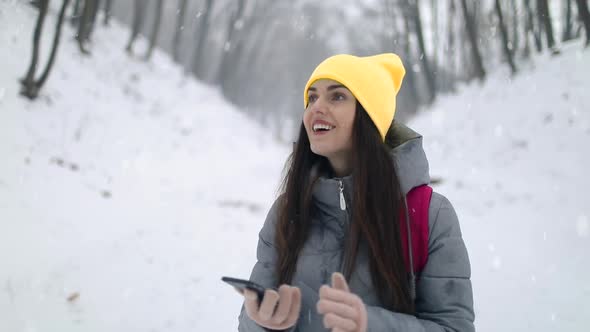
{"x": 329, "y": 119}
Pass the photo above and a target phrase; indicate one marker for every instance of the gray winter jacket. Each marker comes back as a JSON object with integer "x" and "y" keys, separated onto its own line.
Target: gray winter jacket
{"x": 444, "y": 300}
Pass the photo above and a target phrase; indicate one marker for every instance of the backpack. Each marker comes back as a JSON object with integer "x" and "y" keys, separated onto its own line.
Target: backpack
{"x": 418, "y": 203}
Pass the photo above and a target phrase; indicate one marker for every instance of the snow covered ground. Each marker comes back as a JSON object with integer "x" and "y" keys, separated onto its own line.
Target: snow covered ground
{"x": 127, "y": 191}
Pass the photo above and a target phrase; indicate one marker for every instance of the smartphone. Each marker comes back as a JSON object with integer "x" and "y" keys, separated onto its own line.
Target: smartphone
{"x": 246, "y": 284}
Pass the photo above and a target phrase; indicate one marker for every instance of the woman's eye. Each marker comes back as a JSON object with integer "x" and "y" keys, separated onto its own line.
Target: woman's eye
{"x": 311, "y": 98}
{"x": 339, "y": 96}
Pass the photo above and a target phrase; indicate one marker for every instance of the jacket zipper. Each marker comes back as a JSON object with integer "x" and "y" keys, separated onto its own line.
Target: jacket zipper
{"x": 342, "y": 200}
{"x": 346, "y": 217}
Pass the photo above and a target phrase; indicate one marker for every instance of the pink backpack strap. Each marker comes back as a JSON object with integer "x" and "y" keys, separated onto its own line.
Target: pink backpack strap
{"x": 418, "y": 202}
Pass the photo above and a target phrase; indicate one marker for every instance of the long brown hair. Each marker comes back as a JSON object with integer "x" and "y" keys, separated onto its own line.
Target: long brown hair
{"x": 377, "y": 201}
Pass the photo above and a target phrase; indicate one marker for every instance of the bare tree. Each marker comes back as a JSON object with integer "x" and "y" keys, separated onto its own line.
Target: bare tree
{"x": 138, "y": 17}
{"x": 235, "y": 25}
{"x": 29, "y": 86}
{"x": 180, "y": 16}
{"x": 247, "y": 46}
{"x": 435, "y": 34}
{"x": 428, "y": 75}
{"x": 35, "y": 3}
{"x": 202, "y": 32}
{"x": 406, "y": 47}
{"x": 515, "y": 40}
{"x": 435, "y": 56}
{"x": 532, "y": 28}
{"x": 86, "y": 24}
{"x": 27, "y": 81}
{"x": 108, "y": 6}
{"x": 56, "y": 39}
{"x": 450, "y": 49}
{"x": 567, "y": 33}
{"x": 93, "y": 15}
{"x": 545, "y": 19}
{"x": 504, "y": 35}
{"x": 476, "y": 55}
{"x": 527, "y": 29}
{"x": 155, "y": 30}
{"x": 76, "y": 13}
{"x": 585, "y": 17}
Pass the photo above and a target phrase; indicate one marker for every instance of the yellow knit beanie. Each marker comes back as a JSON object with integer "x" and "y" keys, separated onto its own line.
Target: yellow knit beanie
{"x": 374, "y": 81}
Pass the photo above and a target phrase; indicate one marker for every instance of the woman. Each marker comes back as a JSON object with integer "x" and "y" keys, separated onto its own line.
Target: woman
{"x": 331, "y": 244}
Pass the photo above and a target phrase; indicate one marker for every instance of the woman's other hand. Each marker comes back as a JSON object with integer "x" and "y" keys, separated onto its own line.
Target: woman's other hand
{"x": 343, "y": 311}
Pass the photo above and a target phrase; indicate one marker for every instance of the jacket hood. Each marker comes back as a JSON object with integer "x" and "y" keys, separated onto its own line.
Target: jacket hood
{"x": 409, "y": 157}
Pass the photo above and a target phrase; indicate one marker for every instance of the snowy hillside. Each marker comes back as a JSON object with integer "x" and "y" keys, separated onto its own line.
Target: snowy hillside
{"x": 514, "y": 157}
{"x": 126, "y": 184}
{"x": 128, "y": 190}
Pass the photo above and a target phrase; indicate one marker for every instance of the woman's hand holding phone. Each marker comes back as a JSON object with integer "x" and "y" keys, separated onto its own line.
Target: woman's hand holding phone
{"x": 287, "y": 302}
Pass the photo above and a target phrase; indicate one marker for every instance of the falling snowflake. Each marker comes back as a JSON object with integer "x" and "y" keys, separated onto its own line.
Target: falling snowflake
{"x": 491, "y": 247}
{"x": 497, "y": 262}
{"x": 582, "y": 226}
{"x": 499, "y": 131}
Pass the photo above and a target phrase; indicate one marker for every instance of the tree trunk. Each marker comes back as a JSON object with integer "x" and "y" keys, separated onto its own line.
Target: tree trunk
{"x": 39, "y": 83}
{"x": 229, "y": 48}
{"x": 410, "y": 78}
{"x": 86, "y": 23}
{"x": 452, "y": 70}
{"x": 435, "y": 43}
{"x": 30, "y": 87}
{"x": 585, "y": 17}
{"x": 415, "y": 7}
{"x": 247, "y": 42}
{"x": 527, "y": 29}
{"x": 93, "y": 13}
{"x": 138, "y": 15}
{"x": 515, "y": 39}
{"x": 504, "y": 35}
{"x": 108, "y": 12}
{"x": 567, "y": 22}
{"x": 180, "y": 14}
{"x": 155, "y": 30}
{"x": 29, "y": 77}
{"x": 530, "y": 18}
{"x": 470, "y": 27}
{"x": 545, "y": 19}
{"x": 466, "y": 65}
{"x": 77, "y": 11}
{"x": 202, "y": 38}
{"x": 35, "y": 3}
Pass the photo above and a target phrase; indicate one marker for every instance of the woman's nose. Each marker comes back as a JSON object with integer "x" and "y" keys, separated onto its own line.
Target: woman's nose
{"x": 318, "y": 105}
